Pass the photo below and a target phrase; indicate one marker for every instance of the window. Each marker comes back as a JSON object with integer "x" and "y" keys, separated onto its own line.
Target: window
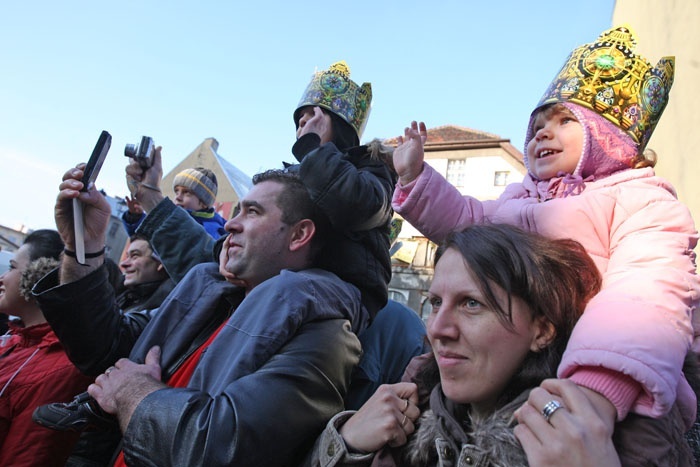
{"x": 397, "y": 296}
{"x": 500, "y": 178}
{"x": 456, "y": 169}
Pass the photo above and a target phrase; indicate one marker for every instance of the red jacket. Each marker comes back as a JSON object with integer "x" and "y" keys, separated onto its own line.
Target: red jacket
{"x": 34, "y": 370}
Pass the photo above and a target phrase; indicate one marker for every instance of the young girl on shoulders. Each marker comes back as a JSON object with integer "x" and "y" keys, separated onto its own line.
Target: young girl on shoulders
{"x": 587, "y": 180}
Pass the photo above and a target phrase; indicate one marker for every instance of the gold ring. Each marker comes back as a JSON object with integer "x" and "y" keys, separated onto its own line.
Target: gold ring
{"x": 403, "y": 422}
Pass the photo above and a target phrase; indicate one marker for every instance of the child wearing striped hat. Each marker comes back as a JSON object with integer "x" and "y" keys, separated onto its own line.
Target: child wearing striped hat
{"x": 195, "y": 191}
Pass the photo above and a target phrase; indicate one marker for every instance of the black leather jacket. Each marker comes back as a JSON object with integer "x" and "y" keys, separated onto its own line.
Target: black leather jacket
{"x": 94, "y": 338}
{"x": 264, "y": 388}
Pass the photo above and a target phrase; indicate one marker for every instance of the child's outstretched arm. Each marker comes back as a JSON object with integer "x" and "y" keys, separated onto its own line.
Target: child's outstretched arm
{"x": 409, "y": 155}
{"x": 424, "y": 197}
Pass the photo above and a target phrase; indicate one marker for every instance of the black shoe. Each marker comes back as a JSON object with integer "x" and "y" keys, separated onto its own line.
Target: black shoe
{"x": 80, "y": 414}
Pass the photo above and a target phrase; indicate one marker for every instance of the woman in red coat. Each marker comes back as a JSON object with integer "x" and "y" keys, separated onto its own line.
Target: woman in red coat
{"x": 34, "y": 368}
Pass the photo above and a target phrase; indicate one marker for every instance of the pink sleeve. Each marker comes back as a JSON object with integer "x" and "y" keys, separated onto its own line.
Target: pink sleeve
{"x": 434, "y": 206}
{"x": 619, "y": 389}
{"x": 639, "y": 324}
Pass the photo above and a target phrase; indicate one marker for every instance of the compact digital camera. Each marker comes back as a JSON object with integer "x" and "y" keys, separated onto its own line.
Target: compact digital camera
{"x": 142, "y": 152}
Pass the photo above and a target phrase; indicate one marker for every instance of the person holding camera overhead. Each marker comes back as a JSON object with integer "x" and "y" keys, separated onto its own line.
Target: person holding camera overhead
{"x": 174, "y": 234}
{"x": 195, "y": 191}
{"x": 264, "y": 359}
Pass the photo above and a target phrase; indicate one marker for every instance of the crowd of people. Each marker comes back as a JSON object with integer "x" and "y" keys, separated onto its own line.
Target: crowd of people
{"x": 561, "y": 325}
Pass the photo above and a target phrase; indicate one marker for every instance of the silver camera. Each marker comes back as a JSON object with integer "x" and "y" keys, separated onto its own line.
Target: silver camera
{"x": 142, "y": 152}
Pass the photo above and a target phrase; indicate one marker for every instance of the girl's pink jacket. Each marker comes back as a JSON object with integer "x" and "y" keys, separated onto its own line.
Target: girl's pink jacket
{"x": 641, "y": 238}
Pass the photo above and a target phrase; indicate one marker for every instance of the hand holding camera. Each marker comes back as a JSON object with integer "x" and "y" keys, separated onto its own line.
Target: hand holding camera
{"x": 144, "y": 173}
{"x": 142, "y": 152}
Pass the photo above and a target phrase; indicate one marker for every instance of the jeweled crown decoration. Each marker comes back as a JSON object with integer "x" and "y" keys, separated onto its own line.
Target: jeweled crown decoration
{"x": 333, "y": 90}
{"x": 608, "y": 77}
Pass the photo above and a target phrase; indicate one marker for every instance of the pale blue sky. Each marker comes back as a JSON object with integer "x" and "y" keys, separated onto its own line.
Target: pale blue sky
{"x": 184, "y": 71}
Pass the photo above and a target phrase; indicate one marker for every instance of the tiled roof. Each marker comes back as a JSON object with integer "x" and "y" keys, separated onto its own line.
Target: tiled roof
{"x": 452, "y": 134}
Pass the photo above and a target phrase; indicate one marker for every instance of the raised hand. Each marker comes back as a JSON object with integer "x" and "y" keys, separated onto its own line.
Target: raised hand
{"x": 318, "y": 123}
{"x": 134, "y": 206}
{"x": 408, "y": 155}
{"x": 96, "y": 211}
{"x": 144, "y": 185}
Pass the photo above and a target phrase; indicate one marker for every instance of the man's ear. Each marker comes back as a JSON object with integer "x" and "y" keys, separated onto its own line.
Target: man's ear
{"x": 302, "y": 233}
{"x": 544, "y": 334}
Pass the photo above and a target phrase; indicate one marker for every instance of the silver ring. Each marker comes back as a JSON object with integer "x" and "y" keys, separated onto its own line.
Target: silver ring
{"x": 403, "y": 422}
{"x": 405, "y": 406}
{"x": 109, "y": 370}
{"x": 549, "y": 409}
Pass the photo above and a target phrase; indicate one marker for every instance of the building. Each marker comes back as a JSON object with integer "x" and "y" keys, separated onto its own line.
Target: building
{"x": 11, "y": 239}
{"x": 116, "y": 237}
{"x": 671, "y": 28}
{"x": 478, "y": 164}
{"x": 233, "y": 183}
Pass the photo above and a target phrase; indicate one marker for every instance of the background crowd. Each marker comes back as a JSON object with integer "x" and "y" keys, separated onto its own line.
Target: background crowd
{"x": 561, "y": 330}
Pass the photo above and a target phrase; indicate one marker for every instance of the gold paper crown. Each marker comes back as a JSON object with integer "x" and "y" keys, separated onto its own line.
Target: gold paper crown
{"x": 333, "y": 90}
{"x": 607, "y": 77}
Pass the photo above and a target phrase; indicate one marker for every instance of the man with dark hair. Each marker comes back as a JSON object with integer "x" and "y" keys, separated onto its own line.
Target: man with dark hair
{"x": 253, "y": 370}
{"x": 145, "y": 285}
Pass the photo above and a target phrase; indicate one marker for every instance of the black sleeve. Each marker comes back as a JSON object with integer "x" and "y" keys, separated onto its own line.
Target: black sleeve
{"x": 86, "y": 319}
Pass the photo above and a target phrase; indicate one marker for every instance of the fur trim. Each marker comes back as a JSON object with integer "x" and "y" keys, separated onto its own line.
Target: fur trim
{"x": 382, "y": 152}
{"x": 35, "y": 271}
{"x": 492, "y": 436}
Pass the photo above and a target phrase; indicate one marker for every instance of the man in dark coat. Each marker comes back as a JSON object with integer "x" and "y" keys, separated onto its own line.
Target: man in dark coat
{"x": 253, "y": 370}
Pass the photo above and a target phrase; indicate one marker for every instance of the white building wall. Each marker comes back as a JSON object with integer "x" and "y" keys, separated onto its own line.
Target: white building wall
{"x": 671, "y": 27}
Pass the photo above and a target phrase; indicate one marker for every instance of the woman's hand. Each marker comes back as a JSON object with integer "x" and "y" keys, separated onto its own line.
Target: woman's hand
{"x": 575, "y": 434}
{"x": 408, "y": 155}
{"x": 386, "y": 418}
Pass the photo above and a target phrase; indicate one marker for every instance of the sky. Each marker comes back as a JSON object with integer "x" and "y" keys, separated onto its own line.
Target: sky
{"x": 181, "y": 72}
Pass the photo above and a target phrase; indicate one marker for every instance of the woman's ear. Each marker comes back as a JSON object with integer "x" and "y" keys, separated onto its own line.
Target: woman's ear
{"x": 544, "y": 334}
{"x": 302, "y": 233}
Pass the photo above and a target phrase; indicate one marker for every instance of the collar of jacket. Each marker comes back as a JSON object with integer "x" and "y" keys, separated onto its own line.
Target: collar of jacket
{"x": 451, "y": 429}
{"x": 137, "y": 293}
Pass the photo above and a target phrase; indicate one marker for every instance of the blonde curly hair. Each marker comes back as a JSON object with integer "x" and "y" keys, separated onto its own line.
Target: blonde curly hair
{"x": 31, "y": 275}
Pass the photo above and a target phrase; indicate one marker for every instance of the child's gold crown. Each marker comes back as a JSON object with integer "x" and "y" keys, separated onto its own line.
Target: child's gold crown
{"x": 608, "y": 77}
{"x": 333, "y": 90}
